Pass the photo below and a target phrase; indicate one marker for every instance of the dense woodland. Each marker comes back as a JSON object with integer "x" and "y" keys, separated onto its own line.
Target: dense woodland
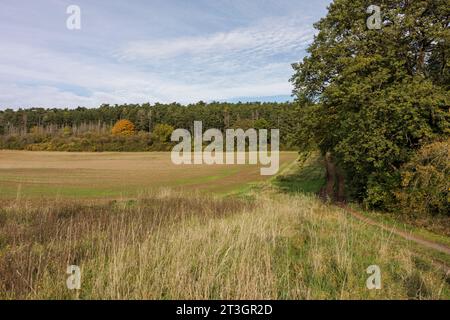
{"x": 376, "y": 103}
{"x": 58, "y": 129}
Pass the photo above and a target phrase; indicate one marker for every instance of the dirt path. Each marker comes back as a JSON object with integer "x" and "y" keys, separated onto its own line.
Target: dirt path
{"x": 325, "y": 196}
{"x": 408, "y": 236}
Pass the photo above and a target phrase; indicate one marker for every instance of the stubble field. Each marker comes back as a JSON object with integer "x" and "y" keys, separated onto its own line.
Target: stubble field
{"x": 116, "y": 175}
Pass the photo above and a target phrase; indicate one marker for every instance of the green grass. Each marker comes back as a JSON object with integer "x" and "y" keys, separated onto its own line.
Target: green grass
{"x": 26, "y": 188}
{"x": 207, "y": 179}
{"x": 306, "y": 175}
{"x": 391, "y": 221}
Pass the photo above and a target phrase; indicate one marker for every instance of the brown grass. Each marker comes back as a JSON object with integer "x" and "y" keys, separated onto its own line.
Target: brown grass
{"x": 170, "y": 245}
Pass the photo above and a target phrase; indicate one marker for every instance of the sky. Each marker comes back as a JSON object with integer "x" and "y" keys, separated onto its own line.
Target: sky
{"x": 139, "y": 51}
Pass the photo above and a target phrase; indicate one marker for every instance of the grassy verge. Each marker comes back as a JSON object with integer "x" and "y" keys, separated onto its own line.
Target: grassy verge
{"x": 391, "y": 221}
{"x": 307, "y": 176}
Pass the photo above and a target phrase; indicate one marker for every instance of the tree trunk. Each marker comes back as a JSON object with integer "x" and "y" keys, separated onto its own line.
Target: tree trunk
{"x": 341, "y": 186}
{"x": 335, "y": 184}
{"x": 331, "y": 176}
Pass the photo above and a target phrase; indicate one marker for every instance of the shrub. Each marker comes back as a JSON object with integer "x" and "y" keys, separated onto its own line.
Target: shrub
{"x": 425, "y": 181}
{"x": 162, "y": 132}
{"x": 123, "y": 128}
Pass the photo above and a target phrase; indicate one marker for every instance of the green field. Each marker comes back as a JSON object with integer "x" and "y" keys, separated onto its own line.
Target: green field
{"x": 116, "y": 175}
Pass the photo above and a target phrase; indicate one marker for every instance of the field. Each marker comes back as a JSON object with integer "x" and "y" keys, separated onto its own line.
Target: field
{"x": 115, "y": 175}
{"x": 157, "y": 231}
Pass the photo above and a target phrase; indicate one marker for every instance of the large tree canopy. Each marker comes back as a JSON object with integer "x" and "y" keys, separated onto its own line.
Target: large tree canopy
{"x": 373, "y": 97}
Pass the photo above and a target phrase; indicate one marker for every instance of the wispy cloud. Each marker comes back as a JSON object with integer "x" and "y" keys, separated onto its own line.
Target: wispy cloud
{"x": 60, "y": 69}
{"x": 273, "y": 36}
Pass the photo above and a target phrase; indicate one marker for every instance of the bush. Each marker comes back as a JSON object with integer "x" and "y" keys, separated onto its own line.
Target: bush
{"x": 162, "y": 132}
{"x": 124, "y": 128}
{"x": 88, "y": 142}
{"x": 425, "y": 181}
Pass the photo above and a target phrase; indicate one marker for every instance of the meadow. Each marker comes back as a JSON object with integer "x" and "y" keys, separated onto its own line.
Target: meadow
{"x": 169, "y": 245}
{"x": 271, "y": 239}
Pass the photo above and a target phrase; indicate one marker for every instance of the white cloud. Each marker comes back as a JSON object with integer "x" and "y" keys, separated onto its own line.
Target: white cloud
{"x": 192, "y": 45}
{"x": 252, "y": 61}
{"x": 269, "y": 37}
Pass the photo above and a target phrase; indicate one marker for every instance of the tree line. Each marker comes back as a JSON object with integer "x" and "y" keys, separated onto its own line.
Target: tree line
{"x": 28, "y": 128}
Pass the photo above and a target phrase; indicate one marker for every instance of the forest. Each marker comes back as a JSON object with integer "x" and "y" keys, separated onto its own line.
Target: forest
{"x": 58, "y": 129}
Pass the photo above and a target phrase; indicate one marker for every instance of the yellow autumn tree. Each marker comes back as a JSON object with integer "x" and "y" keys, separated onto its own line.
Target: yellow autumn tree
{"x": 124, "y": 128}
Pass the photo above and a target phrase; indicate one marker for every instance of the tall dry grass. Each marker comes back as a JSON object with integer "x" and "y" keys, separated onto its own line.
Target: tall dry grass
{"x": 169, "y": 245}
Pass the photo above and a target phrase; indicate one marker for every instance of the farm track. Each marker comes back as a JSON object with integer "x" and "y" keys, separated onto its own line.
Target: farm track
{"x": 409, "y": 236}
{"x": 405, "y": 235}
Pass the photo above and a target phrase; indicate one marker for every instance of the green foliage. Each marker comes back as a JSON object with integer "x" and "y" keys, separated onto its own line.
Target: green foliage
{"x": 374, "y": 97}
{"x": 261, "y": 124}
{"x": 425, "y": 182}
{"x": 89, "y": 142}
{"x": 217, "y": 115}
{"x": 162, "y": 132}
{"x": 243, "y": 124}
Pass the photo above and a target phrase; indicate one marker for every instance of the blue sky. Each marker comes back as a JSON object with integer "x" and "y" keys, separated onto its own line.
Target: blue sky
{"x": 151, "y": 50}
